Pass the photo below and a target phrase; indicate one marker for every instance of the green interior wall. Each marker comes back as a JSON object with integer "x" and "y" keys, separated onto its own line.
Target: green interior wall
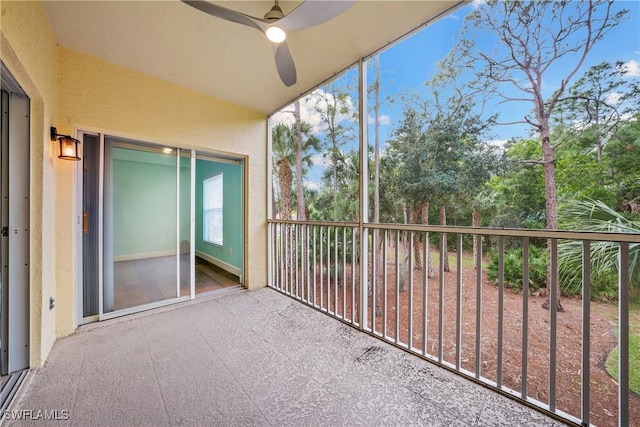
{"x": 144, "y": 206}
{"x": 185, "y": 203}
{"x": 144, "y": 203}
{"x": 231, "y": 251}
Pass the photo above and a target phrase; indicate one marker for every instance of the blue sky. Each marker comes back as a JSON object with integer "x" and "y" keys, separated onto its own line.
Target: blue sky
{"x": 407, "y": 65}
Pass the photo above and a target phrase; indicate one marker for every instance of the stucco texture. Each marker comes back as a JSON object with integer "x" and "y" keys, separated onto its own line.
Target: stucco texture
{"x": 73, "y": 91}
{"x": 96, "y": 95}
{"x": 29, "y": 51}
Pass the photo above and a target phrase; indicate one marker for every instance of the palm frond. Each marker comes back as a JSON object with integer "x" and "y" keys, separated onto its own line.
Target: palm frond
{"x": 595, "y": 216}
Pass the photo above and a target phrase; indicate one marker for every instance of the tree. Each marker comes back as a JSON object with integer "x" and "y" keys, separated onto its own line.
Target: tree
{"x": 300, "y": 211}
{"x": 599, "y": 101}
{"x": 286, "y": 150}
{"x": 333, "y": 104}
{"x": 595, "y": 216}
{"x": 533, "y": 38}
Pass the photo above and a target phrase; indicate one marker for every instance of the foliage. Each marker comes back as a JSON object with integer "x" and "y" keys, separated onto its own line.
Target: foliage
{"x": 284, "y": 146}
{"x": 611, "y": 365}
{"x": 534, "y": 39}
{"x": 595, "y": 216}
{"x": 514, "y": 268}
{"x": 518, "y": 192}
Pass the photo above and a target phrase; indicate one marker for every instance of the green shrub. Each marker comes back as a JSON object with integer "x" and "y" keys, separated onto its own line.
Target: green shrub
{"x": 513, "y": 268}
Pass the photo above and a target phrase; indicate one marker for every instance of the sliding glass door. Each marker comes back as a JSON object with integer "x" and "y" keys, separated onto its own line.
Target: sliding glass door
{"x": 141, "y": 223}
{"x": 143, "y": 239}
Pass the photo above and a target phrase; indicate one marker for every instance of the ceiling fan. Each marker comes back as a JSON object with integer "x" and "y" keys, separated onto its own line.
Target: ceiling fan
{"x": 275, "y": 25}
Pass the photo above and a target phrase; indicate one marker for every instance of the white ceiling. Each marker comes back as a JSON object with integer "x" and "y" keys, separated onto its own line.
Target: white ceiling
{"x": 228, "y": 61}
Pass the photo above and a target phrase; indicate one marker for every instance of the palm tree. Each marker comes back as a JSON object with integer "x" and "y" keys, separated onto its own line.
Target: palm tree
{"x": 287, "y": 152}
{"x": 595, "y": 216}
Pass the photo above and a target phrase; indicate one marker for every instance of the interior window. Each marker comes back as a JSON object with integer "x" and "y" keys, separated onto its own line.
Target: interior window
{"x": 212, "y": 206}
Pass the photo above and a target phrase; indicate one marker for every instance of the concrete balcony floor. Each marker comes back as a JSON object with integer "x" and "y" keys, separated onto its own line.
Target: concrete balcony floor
{"x": 251, "y": 358}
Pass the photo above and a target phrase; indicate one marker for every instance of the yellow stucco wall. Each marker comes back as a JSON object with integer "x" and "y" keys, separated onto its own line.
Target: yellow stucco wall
{"x": 74, "y": 91}
{"x": 29, "y": 51}
{"x": 96, "y": 95}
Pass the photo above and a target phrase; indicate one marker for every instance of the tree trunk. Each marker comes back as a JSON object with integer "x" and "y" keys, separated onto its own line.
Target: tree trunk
{"x": 475, "y": 218}
{"x": 334, "y": 161}
{"x": 285, "y": 179}
{"x": 444, "y": 251}
{"x": 425, "y": 221}
{"x": 414, "y": 218}
{"x": 403, "y": 253}
{"x": 300, "y": 211}
{"x": 551, "y": 203}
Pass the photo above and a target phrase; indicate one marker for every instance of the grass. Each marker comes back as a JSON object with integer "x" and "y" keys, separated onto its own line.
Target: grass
{"x": 611, "y": 364}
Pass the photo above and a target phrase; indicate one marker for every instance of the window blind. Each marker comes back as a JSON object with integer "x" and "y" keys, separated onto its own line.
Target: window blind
{"x": 212, "y": 205}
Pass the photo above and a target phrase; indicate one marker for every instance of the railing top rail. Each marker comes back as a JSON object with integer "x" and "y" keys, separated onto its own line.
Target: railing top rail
{"x": 484, "y": 231}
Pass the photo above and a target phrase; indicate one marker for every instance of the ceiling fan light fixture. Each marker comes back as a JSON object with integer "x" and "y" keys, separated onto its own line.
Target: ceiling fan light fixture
{"x": 275, "y": 34}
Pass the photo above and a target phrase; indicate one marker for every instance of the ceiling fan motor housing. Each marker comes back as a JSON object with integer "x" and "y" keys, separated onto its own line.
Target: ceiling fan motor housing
{"x": 274, "y": 14}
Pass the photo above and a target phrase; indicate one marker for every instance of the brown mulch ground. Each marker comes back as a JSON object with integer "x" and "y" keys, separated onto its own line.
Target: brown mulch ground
{"x": 603, "y": 389}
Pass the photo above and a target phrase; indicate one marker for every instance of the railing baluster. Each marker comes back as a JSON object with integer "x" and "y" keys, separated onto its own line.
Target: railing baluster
{"x": 290, "y": 266}
{"x": 281, "y": 258}
{"x": 479, "y": 307}
{"x": 296, "y": 232}
{"x": 623, "y": 331}
{"x": 274, "y": 252}
{"x": 321, "y": 271}
{"x": 344, "y": 271}
{"x": 384, "y": 268}
{"x": 443, "y": 238}
{"x": 329, "y": 269}
{"x": 315, "y": 266}
{"x": 353, "y": 273}
{"x": 425, "y": 293}
{"x": 553, "y": 345}
{"x": 410, "y": 320}
{"x": 459, "y": 302}
{"x": 308, "y": 264}
{"x": 336, "y": 267}
{"x": 525, "y": 317}
{"x": 500, "y": 309}
{"x": 397, "y": 303}
{"x": 291, "y": 261}
{"x": 374, "y": 271}
{"x": 586, "y": 331}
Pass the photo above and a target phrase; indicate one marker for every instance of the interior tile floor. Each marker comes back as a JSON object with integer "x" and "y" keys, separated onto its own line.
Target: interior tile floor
{"x": 253, "y": 358}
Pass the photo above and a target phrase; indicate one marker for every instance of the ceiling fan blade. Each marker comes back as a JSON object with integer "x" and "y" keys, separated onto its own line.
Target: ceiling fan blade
{"x": 284, "y": 64}
{"x": 313, "y": 12}
{"x": 226, "y": 14}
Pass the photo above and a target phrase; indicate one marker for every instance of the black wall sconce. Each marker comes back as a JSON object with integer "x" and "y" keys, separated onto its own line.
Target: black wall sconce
{"x": 68, "y": 145}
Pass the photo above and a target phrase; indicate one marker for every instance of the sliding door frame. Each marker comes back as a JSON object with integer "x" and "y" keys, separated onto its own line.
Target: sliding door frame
{"x": 80, "y": 131}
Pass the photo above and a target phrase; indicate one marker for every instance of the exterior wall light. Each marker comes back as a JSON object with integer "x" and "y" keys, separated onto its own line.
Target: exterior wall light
{"x": 68, "y": 145}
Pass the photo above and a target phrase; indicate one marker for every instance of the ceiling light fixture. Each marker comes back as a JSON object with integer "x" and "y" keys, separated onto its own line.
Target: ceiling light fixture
{"x": 275, "y": 34}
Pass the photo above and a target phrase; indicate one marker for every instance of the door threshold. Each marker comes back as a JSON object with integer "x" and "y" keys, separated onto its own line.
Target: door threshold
{"x": 10, "y": 385}
{"x": 223, "y": 291}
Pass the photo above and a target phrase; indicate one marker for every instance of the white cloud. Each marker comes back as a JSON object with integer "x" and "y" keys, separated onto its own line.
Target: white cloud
{"x": 631, "y": 68}
{"x": 313, "y": 185}
{"x": 500, "y": 143}
{"x": 316, "y": 100}
{"x": 384, "y": 120}
{"x": 319, "y": 159}
{"x": 613, "y": 99}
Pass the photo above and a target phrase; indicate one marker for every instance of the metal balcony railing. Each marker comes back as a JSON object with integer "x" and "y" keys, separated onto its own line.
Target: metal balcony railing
{"x": 376, "y": 277}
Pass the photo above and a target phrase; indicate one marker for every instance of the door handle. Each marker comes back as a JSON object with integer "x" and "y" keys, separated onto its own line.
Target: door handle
{"x": 85, "y": 222}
